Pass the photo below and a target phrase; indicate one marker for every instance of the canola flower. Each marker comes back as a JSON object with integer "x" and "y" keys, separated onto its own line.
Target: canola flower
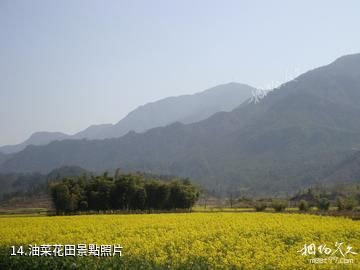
{"x": 194, "y": 240}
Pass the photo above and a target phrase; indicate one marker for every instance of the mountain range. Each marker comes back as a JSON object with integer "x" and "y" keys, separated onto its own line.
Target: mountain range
{"x": 184, "y": 109}
{"x": 294, "y": 137}
{"x": 345, "y": 173}
{"x": 38, "y": 138}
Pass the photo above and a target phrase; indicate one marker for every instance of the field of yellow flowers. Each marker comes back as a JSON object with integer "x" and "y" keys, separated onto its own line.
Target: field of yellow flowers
{"x": 187, "y": 241}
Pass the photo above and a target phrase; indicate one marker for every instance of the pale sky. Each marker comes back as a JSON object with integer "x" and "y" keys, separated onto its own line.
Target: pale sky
{"x": 65, "y": 65}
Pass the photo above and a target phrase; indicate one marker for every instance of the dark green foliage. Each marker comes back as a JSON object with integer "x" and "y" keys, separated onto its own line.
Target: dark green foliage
{"x": 260, "y": 206}
{"x": 279, "y": 205}
{"x": 347, "y": 203}
{"x": 61, "y": 197}
{"x": 323, "y": 204}
{"x": 69, "y": 195}
{"x": 182, "y": 195}
{"x": 122, "y": 192}
{"x": 157, "y": 195}
{"x": 303, "y": 206}
{"x": 83, "y": 206}
{"x": 98, "y": 192}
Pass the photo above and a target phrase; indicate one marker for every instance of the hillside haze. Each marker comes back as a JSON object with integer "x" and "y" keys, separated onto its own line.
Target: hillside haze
{"x": 38, "y": 138}
{"x": 183, "y": 109}
{"x": 291, "y": 139}
{"x": 348, "y": 171}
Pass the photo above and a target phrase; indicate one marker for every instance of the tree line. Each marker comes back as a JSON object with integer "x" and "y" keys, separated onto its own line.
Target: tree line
{"x": 122, "y": 192}
{"x": 342, "y": 197}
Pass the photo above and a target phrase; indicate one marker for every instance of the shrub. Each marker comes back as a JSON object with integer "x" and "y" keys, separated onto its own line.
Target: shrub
{"x": 279, "y": 205}
{"x": 323, "y": 204}
{"x": 303, "y": 206}
{"x": 345, "y": 203}
{"x": 260, "y": 206}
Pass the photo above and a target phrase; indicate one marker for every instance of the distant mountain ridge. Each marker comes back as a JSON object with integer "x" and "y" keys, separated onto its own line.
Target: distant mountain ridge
{"x": 348, "y": 171}
{"x": 184, "y": 109}
{"x": 38, "y": 138}
{"x": 2, "y": 157}
{"x": 291, "y": 139}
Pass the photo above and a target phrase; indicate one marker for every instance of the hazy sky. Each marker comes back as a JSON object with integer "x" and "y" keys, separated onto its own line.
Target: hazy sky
{"x": 65, "y": 65}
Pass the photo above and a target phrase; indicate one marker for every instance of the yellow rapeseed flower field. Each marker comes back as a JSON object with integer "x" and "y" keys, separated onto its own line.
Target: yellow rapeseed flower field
{"x": 195, "y": 240}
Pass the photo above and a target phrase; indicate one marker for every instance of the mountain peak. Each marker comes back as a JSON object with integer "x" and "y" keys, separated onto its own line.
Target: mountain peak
{"x": 348, "y": 58}
{"x": 184, "y": 109}
{"x": 40, "y": 135}
{"x": 348, "y": 64}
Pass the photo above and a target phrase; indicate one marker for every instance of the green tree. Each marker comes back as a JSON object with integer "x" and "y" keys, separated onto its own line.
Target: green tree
{"x": 347, "y": 203}
{"x": 303, "y": 206}
{"x": 279, "y": 205}
{"x": 260, "y": 206}
{"x": 61, "y": 198}
{"x": 323, "y": 204}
